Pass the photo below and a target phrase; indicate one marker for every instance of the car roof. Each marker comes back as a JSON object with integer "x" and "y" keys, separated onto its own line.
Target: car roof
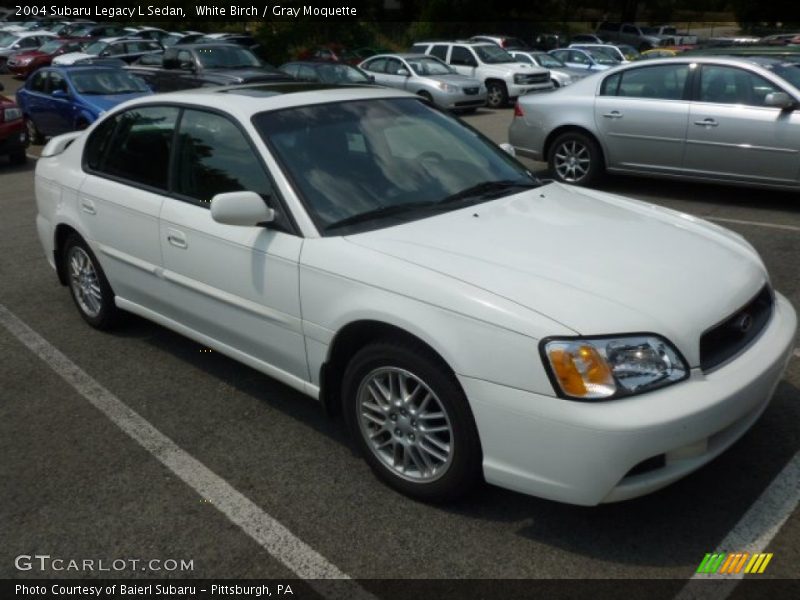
{"x": 403, "y": 55}
{"x": 244, "y": 101}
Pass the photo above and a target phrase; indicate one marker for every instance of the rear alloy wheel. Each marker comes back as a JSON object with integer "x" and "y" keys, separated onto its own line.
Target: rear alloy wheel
{"x": 575, "y": 158}
{"x": 35, "y": 136}
{"x": 88, "y": 284}
{"x": 496, "y": 94}
{"x": 411, "y": 421}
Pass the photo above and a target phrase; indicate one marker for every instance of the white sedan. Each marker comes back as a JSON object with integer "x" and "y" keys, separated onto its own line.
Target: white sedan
{"x": 380, "y": 256}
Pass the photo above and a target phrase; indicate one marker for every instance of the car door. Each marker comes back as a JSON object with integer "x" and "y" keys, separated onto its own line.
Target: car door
{"x": 127, "y": 164}
{"x": 642, "y": 115}
{"x": 377, "y": 68}
{"x": 61, "y": 109}
{"x": 236, "y": 285}
{"x": 462, "y": 60}
{"x": 391, "y": 76}
{"x": 33, "y": 100}
{"x": 732, "y": 135}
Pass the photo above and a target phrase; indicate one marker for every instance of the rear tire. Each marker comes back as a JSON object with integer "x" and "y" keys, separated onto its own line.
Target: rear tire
{"x": 575, "y": 158}
{"x": 88, "y": 285}
{"x": 393, "y": 392}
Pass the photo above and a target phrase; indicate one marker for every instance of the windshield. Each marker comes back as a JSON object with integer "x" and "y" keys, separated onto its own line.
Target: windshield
{"x": 602, "y": 57}
{"x": 80, "y": 30}
{"x": 95, "y": 48}
{"x": 787, "y": 71}
{"x": 493, "y": 54}
{"x": 51, "y": 46}
{"x": 340, "y": 74}
{"x": 107, "y": 82}
{"x": 227, "y": 57}
{"x": 429, "y": 66}
{"x": 7, "y": 39}
{"x": 373, "y": 163}
{"x": 548, "y": 61}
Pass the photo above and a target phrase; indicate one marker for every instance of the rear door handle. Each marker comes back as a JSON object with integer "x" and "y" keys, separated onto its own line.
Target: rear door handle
{"x": 614, "y": 114}
{"x": 87, "y": 206}
{"x": 707, "y": 123}
{"x": 177, "y": 239}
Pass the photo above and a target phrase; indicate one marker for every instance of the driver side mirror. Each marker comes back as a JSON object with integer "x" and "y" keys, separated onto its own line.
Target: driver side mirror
{"x": 403, "y": 73}
{"x": 245, "y": 209}
{"x": 60, "y": 94}
{"x": 780, "y": 100}
{"x": 186, "y": 65}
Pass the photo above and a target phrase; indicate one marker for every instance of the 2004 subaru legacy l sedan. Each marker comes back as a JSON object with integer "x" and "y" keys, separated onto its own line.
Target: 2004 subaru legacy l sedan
{"x": 381, "y": 256}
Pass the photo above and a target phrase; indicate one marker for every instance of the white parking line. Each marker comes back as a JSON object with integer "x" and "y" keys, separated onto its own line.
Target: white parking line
{"x": 756, "y": 223}
{"x": 276, "y": 539}
{"x": 753, "y": 533}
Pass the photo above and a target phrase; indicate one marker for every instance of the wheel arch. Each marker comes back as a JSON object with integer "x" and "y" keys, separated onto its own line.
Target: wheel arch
{"x": 349, "y": 340}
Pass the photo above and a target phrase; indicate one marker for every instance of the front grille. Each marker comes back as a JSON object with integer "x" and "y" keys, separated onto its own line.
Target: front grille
{"x": 730, "y": 337}
{"x": 471, "y": 91}
{"x": 535, "y": 78}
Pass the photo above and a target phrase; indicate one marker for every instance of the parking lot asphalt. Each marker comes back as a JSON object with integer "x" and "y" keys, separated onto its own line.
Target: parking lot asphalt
{"x": 76, "y": 486}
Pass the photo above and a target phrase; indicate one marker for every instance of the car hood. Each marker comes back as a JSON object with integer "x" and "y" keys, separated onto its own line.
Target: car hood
{"x": 28, "y": 54}
{"x": 594, "y": 262}
{"x": 101, "y": 103}
{"x": 71, "y": 57}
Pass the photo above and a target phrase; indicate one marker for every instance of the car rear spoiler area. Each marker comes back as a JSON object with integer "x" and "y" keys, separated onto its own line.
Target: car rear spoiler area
{"x": 60, "y": 143}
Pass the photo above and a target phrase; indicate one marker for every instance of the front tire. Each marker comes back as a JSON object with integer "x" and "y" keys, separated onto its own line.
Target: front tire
{"x": 496, "y": 94}
{"x": 88, "y": 285}
{"x": 575, "y": 158}
{"x": 411, "y": 421}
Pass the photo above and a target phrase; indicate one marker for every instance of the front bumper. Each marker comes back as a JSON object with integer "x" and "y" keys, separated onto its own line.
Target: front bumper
{"x": 517, "y": 90}
{"x": 460, "y": 100}
{"x": 582, "y": 452}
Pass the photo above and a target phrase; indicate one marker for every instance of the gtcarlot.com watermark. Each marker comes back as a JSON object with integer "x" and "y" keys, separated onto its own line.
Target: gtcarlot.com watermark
{"x": 47, "y": 563}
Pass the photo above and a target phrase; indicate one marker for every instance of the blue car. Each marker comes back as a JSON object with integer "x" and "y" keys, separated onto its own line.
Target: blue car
{"x": 55, "y": 100}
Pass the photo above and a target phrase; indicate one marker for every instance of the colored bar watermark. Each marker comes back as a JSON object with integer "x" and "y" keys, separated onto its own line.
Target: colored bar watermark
{"x": 731, "y": 563}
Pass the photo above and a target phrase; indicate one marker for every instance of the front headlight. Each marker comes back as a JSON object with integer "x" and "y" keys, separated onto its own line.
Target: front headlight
{"x": 446, "y": 87}
{"x": 610, "y": 367}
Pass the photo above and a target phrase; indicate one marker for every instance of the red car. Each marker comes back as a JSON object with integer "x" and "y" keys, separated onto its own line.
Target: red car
{"x": 13, "y": 136}
{"x": 22, "y": 64}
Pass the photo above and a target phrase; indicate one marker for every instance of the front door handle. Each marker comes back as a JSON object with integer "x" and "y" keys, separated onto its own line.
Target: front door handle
{"x": 707, "y": 123}
{"x": 614, "y": 114}
{"x": 87, "y": 206}
{"x": 177, "y": 239}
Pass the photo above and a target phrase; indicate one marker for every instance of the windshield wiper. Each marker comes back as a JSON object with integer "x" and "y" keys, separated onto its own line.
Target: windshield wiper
{"x": 379, "y": 213}
{"x": 487, "y": 189}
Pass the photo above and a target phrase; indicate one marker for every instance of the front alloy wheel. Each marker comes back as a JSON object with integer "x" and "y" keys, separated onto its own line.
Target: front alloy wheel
{"x": 411, "y": 420}
{"x": 405, "y": 425}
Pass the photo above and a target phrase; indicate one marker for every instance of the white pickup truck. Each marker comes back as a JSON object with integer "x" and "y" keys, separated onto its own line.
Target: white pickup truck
{"x": 681, "y": 38}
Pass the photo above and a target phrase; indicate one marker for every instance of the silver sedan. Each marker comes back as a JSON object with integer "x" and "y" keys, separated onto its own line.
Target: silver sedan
{"x": 428, "y": 77}
{"x": 702, "y": 118}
